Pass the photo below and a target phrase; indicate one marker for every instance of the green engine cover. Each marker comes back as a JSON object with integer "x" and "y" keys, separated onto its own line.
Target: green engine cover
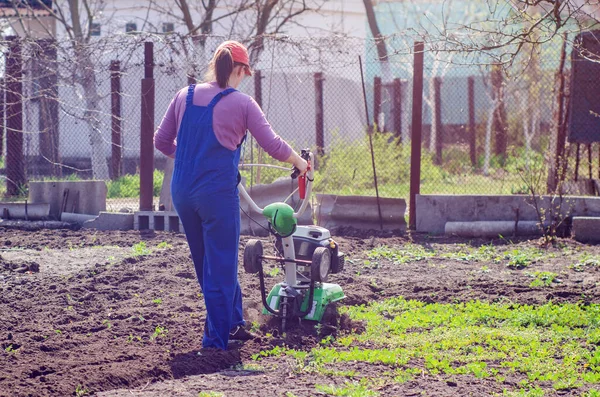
{"x": 281, "y": 217}
{"x": 324, "y": 295}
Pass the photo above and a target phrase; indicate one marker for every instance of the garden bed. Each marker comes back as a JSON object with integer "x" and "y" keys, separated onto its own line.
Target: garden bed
{"x": 120, "y": 313}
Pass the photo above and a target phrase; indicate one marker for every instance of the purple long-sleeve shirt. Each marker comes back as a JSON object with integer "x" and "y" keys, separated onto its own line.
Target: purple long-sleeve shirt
{"x": 233, "y": 115}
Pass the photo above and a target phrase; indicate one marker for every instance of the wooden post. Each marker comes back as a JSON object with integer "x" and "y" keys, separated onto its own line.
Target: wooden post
{"x": 472, "y": 131}
{"x": 115, "y": 108}
{"x": 439, "y": 136}
{"x": 15, "y": 168}
{"x": 398, "y": 109}
{"x": 147, "y": 131}
{"x": 47, "y": 79}
{"x": 417, "y": 123}
{"x": 320, "y": 120}
{"x": 376, "y": 102}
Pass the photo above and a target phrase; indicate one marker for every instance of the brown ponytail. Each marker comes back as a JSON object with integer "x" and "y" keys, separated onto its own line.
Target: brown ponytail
{"x": 223, "y": 66}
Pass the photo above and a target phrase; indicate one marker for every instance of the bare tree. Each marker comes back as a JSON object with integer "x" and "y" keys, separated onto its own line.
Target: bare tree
{"x": 75, "y": 18}
{"x": 250, "y": 21}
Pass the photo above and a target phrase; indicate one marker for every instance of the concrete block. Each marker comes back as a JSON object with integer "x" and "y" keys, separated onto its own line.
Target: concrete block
{"x": 264, "y": 195}
{"x": 586, "y": 229}
{"x": 434, "y": 211}
{"x": 492, "y": 229}
{"x": 157, "y": 220}
{"x": 70, "y": 217}
{"x": 26, "y": 211}
{"x": 360, "y": 212}
{"x": 110, "y": 221}
{"x": 84, "y": 197}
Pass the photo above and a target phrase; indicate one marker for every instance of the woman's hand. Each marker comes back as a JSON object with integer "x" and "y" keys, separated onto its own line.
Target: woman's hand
{"x": 300, "y": 164}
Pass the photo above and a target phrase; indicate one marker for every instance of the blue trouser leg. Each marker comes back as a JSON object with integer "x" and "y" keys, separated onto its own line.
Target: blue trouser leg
{"x": 192, "y": 224}
{"x": 222, "y": 294}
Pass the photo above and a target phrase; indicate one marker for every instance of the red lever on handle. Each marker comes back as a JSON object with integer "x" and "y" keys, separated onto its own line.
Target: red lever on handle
{"x": 302, "y": 184}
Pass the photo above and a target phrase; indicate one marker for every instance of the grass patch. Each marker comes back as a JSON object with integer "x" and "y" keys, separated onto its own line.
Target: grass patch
{"x": 554, "y": 345}
{"x": 129, "y": 186}
{"x": 515, "y": 258}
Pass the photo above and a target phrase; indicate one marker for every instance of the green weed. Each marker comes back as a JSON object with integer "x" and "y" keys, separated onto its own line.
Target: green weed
{"x": 140, "y": 249}
{"x": 210, "y": 394}
{"x": 159, "y": 332}
{"x": 81, "y": 391}
{"x": 350, "y": 389}
{"x": 273, "y": 272}
{"x": 543, "y": 279}
{"x": 405, "y": 254}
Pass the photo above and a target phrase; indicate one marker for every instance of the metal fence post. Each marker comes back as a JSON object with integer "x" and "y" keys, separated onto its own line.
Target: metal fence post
{"x": 15, "y": 169}
{"x": 398, "y": 109}
{"x": 258, "y": 99}
{"x": 2, "y": 105}
{"x": 417, "y": 124}
{"x": 115, "y": 109}
{"x": 439, "y": 135}
{"x": 147, "y": 131}
{"x": 376, "y": 102}
{"x": 320, "y": 122}
{"x": 472, "y": 132}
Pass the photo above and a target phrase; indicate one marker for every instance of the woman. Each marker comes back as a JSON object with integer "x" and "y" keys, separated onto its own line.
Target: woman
{"x": 203, "y": 130}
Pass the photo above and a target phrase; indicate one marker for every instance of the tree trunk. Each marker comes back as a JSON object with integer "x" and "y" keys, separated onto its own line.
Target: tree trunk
{"x": 500, "y": 127}
{"x": 488, "y": 138}
{"x": 92, "y": 98}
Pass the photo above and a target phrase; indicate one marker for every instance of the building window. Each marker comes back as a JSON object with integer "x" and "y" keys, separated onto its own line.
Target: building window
{"x": 95, "y": 29}
{"x": 131, "y": 27}
{"x": 168, "y": 27}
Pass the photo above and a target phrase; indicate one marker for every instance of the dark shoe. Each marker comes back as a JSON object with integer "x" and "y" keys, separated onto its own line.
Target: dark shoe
{"x": 241, "y": 333}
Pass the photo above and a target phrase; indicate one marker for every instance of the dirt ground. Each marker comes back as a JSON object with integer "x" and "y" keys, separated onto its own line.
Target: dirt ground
{"x": 83, "y": 312}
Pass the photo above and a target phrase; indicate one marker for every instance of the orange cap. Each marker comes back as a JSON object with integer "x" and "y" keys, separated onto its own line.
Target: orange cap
{"x": 239, "y": 54}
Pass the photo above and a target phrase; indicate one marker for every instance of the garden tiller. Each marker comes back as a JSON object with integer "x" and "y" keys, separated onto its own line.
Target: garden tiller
{"x": 307, "y": 255}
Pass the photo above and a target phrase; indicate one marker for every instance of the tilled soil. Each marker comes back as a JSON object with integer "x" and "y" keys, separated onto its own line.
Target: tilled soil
{"x": 82, "y": 312}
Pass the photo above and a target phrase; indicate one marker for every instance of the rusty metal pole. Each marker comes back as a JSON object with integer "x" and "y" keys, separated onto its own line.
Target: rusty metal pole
{"x": 439, "y": 136}
{"x": 589, "y": 150}
{"x": 2, "y": 105}
{"x": 15, "y": 168}
{"x": 115, "y": 108}
{"x": 376, "y": 102}
{"x": 472, "y": 132}
{"x": 577, "y": 158}
{"x": 320, "y": 120}
{"x": 147, "y": 131}
{"x": 398, "y": 109}
{"x": 417, "y": 124}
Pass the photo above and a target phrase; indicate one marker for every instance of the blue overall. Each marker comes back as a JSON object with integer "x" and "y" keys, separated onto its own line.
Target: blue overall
{"x": 205, "y": 196}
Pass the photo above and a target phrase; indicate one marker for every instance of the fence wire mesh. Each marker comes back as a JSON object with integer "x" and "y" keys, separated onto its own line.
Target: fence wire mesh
{"x": 74, "y": 113}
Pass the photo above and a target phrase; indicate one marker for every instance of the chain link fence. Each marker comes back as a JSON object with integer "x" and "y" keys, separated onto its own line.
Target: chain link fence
{"x": 75, "y": 113}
